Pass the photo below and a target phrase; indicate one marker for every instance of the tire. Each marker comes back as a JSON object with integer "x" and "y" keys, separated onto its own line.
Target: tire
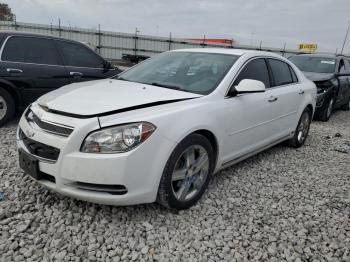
{"x": 327, "y": 110}
{"x": 7, "y": 107}
{"x": 302, "y": 130}
{"x": 346, "y": 106}
{"x": 182, "y": 189}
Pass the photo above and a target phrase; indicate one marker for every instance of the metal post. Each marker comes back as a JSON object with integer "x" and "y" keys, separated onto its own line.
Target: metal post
{"x": 170, "y": 41}
{"x": 15, "y": 20}
{"x": 99, "y": 38}
{"x": 284, "y": 49}
{"x": 135, "y": 47}
{"x": 260, "y": 44}
{"x": 59, "y": 27}
{"x": 346, "y": 36}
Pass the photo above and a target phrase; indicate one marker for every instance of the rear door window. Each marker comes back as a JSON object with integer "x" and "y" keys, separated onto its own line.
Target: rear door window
{"x": 281, "y": 73}
{"x": 78, "y": 55}
{"x": 30, "y": 50}
{"x": 294, "y": 75}
{"x": 255, "y": 70}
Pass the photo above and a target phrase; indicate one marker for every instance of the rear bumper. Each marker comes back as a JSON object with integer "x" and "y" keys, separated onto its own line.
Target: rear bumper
{"x": 97, "y": 178}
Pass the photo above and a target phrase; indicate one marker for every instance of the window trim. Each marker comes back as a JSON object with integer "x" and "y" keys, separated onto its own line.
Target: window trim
{"x": 270, "y": 72}
{"x": 59, "y": 60}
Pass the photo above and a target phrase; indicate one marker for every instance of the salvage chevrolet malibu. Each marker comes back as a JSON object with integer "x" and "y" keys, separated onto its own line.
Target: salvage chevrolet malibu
{"x": 160, "y": 130}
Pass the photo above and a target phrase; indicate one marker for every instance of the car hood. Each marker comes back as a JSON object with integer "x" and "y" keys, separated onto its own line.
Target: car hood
{"x": 101, "y": 97}
{"x": 318, "y": 76}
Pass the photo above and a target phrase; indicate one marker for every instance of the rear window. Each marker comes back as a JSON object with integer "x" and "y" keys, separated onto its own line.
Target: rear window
{"x": 281, "y": 72}
{"x": 30, "y": 50}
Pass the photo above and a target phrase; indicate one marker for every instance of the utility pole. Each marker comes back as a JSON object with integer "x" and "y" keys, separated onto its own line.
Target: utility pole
{"x": 346, "y": 36}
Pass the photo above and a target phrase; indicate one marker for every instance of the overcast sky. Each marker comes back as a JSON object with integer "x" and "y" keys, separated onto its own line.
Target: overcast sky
{"x": 248, "y": 21}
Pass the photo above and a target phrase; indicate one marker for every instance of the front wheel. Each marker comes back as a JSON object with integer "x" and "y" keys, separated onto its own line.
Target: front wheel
{"x": 327, "y": 110}
{"x": 7, "y": 106}
{"x": 302, "y": 130}
{"x": 187, "y": 173}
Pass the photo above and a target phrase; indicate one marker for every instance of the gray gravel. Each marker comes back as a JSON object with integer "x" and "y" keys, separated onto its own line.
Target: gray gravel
{"x": 283, "y": 204}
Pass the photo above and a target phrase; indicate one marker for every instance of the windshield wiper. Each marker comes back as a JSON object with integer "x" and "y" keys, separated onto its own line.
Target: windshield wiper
{"x": 167, "y": 86}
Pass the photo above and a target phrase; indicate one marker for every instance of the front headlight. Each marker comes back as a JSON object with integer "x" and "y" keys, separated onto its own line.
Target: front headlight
{"x": 118, "y": 138}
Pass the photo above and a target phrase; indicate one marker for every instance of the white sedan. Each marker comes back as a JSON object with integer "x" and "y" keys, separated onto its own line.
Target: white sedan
{"x": 160, "y": 130}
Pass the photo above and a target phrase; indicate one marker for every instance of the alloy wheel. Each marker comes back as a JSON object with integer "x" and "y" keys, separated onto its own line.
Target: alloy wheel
{"x": 330, "y": 108}
{"x": 303, "y": 127}
{"x": 3, "y": 107}
{"x": 190, "y": 173}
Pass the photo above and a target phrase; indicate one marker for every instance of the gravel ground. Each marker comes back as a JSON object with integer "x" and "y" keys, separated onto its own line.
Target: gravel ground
{"x": 283, "y": 204}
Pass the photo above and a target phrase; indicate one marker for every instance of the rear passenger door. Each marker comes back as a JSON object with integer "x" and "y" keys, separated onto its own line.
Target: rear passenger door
{"x": 287, "y": 92}
{"x": 82, "y": 63}
{"x": 33, "y": 65}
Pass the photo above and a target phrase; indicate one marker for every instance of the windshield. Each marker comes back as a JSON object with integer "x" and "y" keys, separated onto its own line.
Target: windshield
{"x": 314, "y": 64}
{"x": 193, "y": 72}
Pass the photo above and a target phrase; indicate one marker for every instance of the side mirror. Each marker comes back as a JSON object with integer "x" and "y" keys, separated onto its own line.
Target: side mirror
{"x": 346, "y": 73}
{"x": 107, "y": 65}
{"x": 247, "y": 86}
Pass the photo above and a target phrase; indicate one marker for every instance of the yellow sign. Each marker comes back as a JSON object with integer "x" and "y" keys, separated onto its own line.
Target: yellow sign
{"x": 309, "y": 47}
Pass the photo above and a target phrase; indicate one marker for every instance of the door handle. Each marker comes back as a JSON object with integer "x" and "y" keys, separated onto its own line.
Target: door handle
{"x": 272, "y": 99}
{"x": 76, "y": 74}
{"x": 14, "y": 70}
{"x": 301, "y": 92}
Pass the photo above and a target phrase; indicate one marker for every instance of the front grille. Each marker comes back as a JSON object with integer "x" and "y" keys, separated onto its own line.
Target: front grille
{"x": 111, "y": 189}
{"x": 38, "y": 149}
{"x": 53, "y": 128}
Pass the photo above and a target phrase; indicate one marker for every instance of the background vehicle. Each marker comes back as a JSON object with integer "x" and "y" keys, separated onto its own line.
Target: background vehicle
{"x": 331, "y": 75}
{"x": 159, "y": 131}
{"x": 32, "y": 65}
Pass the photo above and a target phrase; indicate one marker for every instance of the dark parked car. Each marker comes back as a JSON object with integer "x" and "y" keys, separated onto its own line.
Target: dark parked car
{"x": 331, "y": 75}
{"x": 32, "y": 65}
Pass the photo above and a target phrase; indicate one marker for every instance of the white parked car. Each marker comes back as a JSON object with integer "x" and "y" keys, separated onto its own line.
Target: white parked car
{"x": 160, "y": 130}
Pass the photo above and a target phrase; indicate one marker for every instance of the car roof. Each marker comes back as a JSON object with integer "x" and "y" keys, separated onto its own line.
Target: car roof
{"x": 20, "y": 33}
{"x": 228, "y": 51}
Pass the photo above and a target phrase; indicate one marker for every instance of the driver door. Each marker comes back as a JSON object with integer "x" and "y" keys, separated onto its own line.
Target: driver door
{"x": 344, "y": 83}
{"x": 250, "y": 117}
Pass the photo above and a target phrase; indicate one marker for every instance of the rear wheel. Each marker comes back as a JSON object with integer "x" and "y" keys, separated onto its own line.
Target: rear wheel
{"x": 187, "y": 173}
{"x": 302, "y": 129}
{"x": 327, "y": 110}
{"x": 7, "y": 106}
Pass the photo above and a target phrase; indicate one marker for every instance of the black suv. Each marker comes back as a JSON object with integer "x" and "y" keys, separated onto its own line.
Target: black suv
{"x": 331, "y": 75}
{"x": 32, "y": 65}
